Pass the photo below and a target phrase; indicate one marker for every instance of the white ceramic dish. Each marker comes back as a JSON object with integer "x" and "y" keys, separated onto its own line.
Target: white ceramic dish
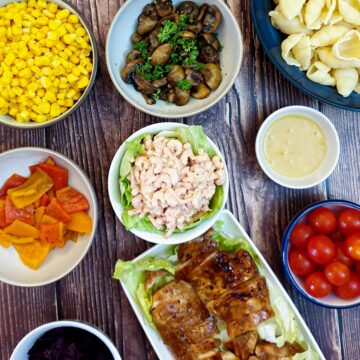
{"x": 331, "y": 301}
{"x": 232, "y": 227}
{"x": 10, "y": 121}
{"x": 114, "y": 190}
{"x": 119, "y": 44}
{"x": 60, "y": 261}
{"x": 332, "y": 151}
{"x": 21, "y": 350}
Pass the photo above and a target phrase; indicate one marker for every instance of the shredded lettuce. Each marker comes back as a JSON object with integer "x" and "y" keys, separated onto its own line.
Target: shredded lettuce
{"x": 198, "y": 140}
{"x": 133, "y": 275}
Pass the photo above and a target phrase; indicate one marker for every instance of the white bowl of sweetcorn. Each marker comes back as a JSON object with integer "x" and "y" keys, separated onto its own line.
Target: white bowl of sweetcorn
{"x": 297, "y": 147}
{"x": 48, "y": 62}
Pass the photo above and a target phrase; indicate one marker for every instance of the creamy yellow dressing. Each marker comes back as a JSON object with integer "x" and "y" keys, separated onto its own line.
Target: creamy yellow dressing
{"x": 295, "y": 146}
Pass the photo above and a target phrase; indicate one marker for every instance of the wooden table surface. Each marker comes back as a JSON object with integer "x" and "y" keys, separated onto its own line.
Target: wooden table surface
{"x": 92, "y": 135}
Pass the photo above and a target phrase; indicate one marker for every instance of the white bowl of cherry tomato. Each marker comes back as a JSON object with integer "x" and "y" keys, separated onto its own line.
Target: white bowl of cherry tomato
{"x": 321, "y": 253}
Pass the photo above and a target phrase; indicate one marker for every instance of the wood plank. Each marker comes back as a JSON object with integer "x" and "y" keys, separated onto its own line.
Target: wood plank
{"x": 344, "y": 185}
{"x": 22, "y": 310}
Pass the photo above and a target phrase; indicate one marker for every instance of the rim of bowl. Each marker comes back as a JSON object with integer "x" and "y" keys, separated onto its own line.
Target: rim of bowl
{"x": 95, "y": 218}
{"x": 281, "y": 69}
{"x": 80, "y": 324}
{"x": 298, "y": 110}
{"x": 146, "y": 108}
{"x": 85, "y": 94}
{"x": 113, "y": 171}
{"x": 285, "y": 247}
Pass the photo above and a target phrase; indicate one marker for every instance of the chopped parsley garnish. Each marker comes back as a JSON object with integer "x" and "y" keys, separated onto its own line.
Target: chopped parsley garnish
{"x": 169, "y": 32}
{"x": 142, "y": 46}
{"x": 184, "y": 85}
{"x": 149, "y": 71}
{"x": 199, "y": 67}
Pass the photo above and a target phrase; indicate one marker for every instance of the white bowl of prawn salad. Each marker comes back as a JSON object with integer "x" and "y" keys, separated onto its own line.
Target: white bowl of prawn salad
{"x": 156, "y": 208}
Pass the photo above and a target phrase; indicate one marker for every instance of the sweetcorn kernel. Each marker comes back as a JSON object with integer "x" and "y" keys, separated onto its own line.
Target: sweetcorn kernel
{"x": 45, "y": 60}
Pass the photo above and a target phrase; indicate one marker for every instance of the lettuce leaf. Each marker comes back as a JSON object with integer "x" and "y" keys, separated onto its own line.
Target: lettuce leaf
{"x": 133, "y": 274}
{"x": 194, "y": 135}
{"x": 133, "y": 148}
{"x": 198, "y": 140}
{"x": 230, "y": 244}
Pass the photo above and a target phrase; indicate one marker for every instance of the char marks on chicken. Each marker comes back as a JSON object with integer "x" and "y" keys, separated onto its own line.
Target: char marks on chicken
{"x": 221, "y": 271}
{"x": 243, "y": 307}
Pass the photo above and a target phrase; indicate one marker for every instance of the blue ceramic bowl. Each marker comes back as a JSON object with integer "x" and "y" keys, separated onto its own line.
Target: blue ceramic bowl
{"x": 331, "y": 301}
{"x": 271, "y": 40}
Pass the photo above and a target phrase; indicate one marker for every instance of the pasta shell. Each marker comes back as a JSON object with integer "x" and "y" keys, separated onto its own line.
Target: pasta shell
{"x": 328, "y": 35}
{"x": 327, "y": 57}
{"x": 350, "y": 10}
{"x": 286, "y": 26}
{"x": 296, "y": 50}
{"x": 291, "y": 8}
{"x": 313, "y": 10}
{"x": 348, "y": 47}
{"x": 329, "y": 11}
{"x": 336, "y": 18}
{"x": 346, "y": 81}
{"x": 320, "y": 73}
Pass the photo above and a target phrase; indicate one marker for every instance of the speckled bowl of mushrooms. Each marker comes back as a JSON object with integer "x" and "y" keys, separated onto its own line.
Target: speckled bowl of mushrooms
{"x": 168, "y": 183}
{"x": 174, "y": 58}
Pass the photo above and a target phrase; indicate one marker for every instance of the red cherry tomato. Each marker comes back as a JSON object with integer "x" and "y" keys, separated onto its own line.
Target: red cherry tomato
{"x": 349, "y": 221}
{"x": 341, "y": 255}
{"x": 351, "y": 289}
{"x": 321, "y": 249}
{"x": 317, "y": 285}
{"x": 299, "y": 262}
{"x": 352, "y": 246}
{"x": 301, "y": 234}
{"x": 337, "y": 273}
{"x": 322, "y": 220}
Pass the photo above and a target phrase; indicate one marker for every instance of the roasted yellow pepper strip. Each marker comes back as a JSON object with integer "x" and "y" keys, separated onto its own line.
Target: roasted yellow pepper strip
{"x": 32, "y": 190}
{"x": 7, "y": 238}
{"x": 32, "y": 255}
{"x": 19, "y": 228}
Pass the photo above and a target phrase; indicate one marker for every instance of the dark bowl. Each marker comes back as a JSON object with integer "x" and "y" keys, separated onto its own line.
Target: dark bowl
{"x": 271, "y": 40}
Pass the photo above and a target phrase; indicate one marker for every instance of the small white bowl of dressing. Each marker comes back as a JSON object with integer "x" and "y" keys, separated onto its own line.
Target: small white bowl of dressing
{"x": 297, "y": 147}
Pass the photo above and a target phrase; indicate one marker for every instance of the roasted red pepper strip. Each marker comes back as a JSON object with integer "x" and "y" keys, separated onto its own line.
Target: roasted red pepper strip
{"x": 12, "y": 213}
{"x": 72, "y": 200}
{"x": 58, "y": 175}
{"x": 13, "y": 181}
{"x": 45, "y": 200}
{"x": 2, "y": 217}
{"x": 55, "y": 210}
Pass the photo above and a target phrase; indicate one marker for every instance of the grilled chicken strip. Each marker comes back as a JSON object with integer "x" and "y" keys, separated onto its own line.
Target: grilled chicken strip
{"x": 182, "y": 320}
{"x": 244, "y": 345}
{"x": 193, "y": 253}
{"x": 220, "y": 272}
{"x": 269, "y": 351}
{"x": 243, "y": 307}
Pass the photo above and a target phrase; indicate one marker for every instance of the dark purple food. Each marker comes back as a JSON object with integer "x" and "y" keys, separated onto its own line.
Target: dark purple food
{"x": 69, "y": 343}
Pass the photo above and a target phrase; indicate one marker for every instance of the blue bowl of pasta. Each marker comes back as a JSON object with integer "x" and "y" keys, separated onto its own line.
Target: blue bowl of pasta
{"x": 299, "y": 33}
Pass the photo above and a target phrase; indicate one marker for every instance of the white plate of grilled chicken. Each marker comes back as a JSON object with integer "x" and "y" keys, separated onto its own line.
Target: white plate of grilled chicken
{"x": 216, "y": 304}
